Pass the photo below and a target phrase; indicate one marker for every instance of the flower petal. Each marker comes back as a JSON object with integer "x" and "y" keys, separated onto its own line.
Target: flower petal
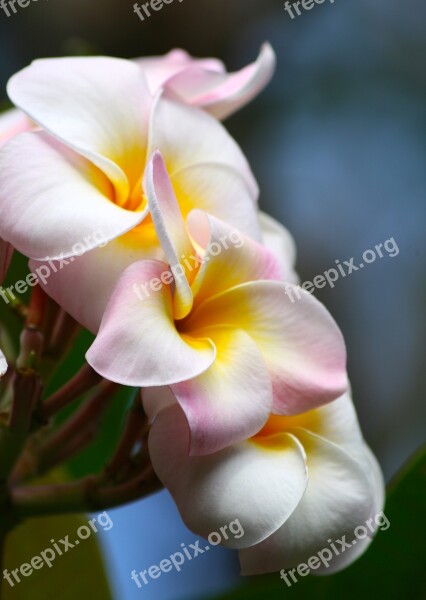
{"x": 279, "y": 241}
{"x": 94, "y": 275}
{"x": 230, "y": 401}
{"x": 338, "y": 498}
{"x": 98, "y": 106}
{"x": 158, "y": 70}
{"x": 13, "y": 122}
{"x": 300, "y": 342}
{"x": 170, "y": 229}
{"x": 52, "y": 199}
{"x": 188, "y": 137}
{"x": 259, "y": 487}
{"x": 138, "y": 344}
{"x": 223, "y": 94}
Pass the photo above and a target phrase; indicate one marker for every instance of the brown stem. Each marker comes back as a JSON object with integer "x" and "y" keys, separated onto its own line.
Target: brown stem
{"x": 63, "y": 335}
{"x": 26, "y": 394}
{"x": 135, "y": 425}
{"x": 82, "y": 382}
{"x": 36, "y": 308}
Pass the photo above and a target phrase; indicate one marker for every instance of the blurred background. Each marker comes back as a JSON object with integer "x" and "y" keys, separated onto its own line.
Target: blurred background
{"x": 338, "y": 144}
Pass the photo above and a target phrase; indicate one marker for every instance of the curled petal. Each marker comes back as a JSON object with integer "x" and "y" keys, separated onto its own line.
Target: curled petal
{"x": 259, "y": 487}
{"x": 138, "y": 343}
{"x": 222, "y": 94}
{"x": 170, "y": 229}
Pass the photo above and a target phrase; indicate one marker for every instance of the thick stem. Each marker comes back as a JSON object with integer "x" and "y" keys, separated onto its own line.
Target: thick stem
{"x": 26, "y": 393}
{"x": 86, "y": 495}
{"x": 68, "y": 440}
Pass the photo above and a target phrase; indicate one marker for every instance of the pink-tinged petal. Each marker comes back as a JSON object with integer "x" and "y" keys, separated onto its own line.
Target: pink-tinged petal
{"x": 339, "y": 497}
{"x": 13, "y": 122}
{"x": 97, "y": 106}
{"x": 231, "y": 401}
{"x": 3, "y": 364}
{"x": 300, "y": 342}
{"x": 229, "y": 257}
{"x": 279, "y": 241}
{"x": 171, "y": 230}
{"x": 6, "y": 253}
{"x": 188, "y": 136}
{"x": 95, "y": 274}
{"x": 224, "y": 94}
{"x": 52, "y": 199}
{"x": 259, "y": 487}
{"x": 138, "y": 343}
{"x": 158, "y": 70}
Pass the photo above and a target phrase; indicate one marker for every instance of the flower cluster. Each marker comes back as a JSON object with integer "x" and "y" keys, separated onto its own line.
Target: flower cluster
{"x": 246, "y": 392}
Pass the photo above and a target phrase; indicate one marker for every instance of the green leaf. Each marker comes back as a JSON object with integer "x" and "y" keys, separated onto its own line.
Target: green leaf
{"x": 78, "y": 572}
{"x": 392, "y": 568}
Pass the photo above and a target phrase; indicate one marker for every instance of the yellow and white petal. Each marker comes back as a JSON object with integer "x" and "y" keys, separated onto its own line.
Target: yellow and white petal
{"x": 300, "y": 342}
{"x": 98, "y": 106}
{"x": 338, "y": 498}
{"x": 258, "y": 486}
{"x": 51, "y": 199}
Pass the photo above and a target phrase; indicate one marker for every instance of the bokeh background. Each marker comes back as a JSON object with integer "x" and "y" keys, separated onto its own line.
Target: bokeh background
{"x": 338, "y": 144}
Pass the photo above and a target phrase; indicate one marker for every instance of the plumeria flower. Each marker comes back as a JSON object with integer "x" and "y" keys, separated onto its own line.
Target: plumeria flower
{"x": 303, "y": 481}
{"x": 205, "y": 82}
{"x": 224, "y": 336}
{"x": 82, "y": 173}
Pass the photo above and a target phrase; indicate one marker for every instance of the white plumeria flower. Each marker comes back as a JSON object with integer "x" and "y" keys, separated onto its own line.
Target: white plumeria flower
{"x": 82, "y": 172}
{"x": 301, "y": 481}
